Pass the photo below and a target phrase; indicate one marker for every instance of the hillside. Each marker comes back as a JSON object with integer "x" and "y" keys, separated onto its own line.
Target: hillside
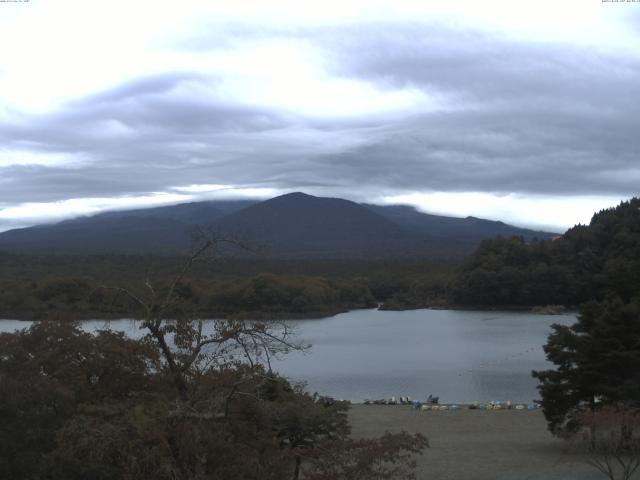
{"x": 295, "y": 225}
{"x": 160, "y": 230}
{"x": 301, "y": 224}
{"x": 588, "y": 262}
{"x": 471, "y": 228}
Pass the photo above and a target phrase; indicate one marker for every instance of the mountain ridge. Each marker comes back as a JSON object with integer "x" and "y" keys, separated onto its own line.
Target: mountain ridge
{"x": 294, "y": 224}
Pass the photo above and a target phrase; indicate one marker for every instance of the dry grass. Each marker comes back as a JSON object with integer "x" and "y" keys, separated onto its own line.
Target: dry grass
{"x": 478, "y": 445}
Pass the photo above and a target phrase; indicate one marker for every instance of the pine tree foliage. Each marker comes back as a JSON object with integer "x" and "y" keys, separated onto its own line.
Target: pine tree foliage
{"x": 597, "y": 364}
{"x": 587, "y": 263}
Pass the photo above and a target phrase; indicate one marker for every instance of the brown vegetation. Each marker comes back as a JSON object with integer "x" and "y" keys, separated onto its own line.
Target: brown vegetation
{"x": 182, "y": 403}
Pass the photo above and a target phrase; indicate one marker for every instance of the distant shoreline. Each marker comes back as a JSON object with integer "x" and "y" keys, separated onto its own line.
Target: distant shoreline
{"x": 266, "y": 316}
{"x": 280, "y": 316}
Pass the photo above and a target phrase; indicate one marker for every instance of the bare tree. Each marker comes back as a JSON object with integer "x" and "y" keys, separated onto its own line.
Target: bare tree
{"x": 187, "y": 344}
{"x": 221, "y": 371}
{"x": 611, "y": 437}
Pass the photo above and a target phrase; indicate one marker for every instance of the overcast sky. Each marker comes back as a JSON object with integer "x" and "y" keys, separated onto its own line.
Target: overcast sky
{"x": 523, "y": 111}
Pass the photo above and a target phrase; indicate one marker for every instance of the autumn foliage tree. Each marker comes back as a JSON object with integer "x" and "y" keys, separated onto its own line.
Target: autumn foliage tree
{"x": 189, "y": 400}
{"x": 48, "y": 372}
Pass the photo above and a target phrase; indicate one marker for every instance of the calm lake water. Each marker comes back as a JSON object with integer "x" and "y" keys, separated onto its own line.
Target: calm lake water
{"x": 461, "y": 356}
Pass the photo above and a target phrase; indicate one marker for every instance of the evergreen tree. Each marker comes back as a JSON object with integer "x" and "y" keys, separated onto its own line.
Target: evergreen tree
{"x": 597, "y": 363}
{"x": 587, "y": 262}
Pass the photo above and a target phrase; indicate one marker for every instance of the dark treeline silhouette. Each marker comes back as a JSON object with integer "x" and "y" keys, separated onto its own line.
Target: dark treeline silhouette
{"x": 593, "y": 391}
{"x": 588, "y": 262}
{"x": 37, "y": 287}
{"x": 261, "y": 296}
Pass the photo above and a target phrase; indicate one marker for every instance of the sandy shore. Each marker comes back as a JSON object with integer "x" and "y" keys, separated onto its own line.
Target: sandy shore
{"x": 478, "y": 445}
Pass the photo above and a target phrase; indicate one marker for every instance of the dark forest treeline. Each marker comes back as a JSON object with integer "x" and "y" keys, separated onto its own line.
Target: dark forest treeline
{"x": 588, "y": 262}
{"x": 71, "y": 287}
{"x": 594, "y": 383}
{"x": 260, "y": 296}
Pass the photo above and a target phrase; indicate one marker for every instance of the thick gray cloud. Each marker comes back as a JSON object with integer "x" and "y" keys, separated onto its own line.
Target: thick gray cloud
{"x": 509, "y": 117}
{"x": 138, "y": 138}
{"x": 533, "y": 118}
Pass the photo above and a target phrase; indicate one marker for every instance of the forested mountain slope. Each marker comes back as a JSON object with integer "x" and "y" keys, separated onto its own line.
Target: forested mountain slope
{"x": 293, "y": 225}
{"x": 587, "y": 262}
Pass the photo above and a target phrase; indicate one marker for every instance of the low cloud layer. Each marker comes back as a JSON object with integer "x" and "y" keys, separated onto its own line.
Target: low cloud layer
{"x": 452, "y": 109}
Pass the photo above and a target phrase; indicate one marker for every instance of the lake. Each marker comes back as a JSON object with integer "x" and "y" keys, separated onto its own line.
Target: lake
{"x": 461, "y": 356}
